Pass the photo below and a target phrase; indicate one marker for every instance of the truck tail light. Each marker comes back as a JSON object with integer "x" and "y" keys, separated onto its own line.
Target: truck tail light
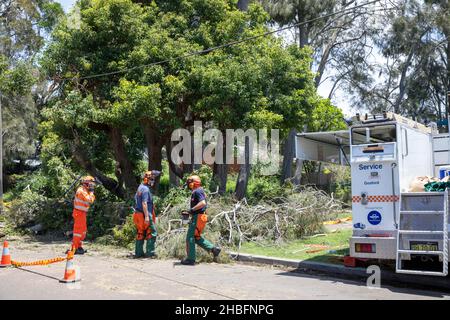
{"x": 365, "y": 247}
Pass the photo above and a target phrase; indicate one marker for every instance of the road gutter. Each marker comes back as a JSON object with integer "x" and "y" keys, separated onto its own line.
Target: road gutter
{"x": 339, "y": 271}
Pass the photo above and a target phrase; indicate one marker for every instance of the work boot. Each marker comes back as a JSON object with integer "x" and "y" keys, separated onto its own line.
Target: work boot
{"x": 139, "y": 249}
{"x": 216, "y": 251}
{"x": 188, "y": 262}
{"x": 80, "y": 250}
{"x": 150, "y": 248}
{"x": 151, "y": 255}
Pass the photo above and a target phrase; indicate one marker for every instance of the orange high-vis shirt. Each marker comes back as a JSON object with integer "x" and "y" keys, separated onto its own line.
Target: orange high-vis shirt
{"x": 83, "y": 199}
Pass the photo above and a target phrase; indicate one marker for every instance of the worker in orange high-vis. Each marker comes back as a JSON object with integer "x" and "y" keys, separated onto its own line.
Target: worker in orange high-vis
{"x": 84, "y": 197}
{"x": 144, "y": 217}
{"x": 198, "y": 222}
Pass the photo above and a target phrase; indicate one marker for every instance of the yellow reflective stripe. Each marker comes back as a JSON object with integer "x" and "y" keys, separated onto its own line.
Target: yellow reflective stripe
{"x": 77, "y": 235}
{"x": 81, "y": 208}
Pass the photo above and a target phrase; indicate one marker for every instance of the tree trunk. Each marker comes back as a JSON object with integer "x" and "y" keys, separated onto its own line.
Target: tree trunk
{"x": 403, "y": 81}
{"x": 243, "y": 5}
{"x": 175, "y": 172}
{"x": 195, "y": 166}
{"x": 189, "y": 167}
{"x": 325, "y": 57}
{"x": 173, "y": 179}
{"x": 244, "y": 173}
{"x": 154, "y": 143}
{"x": 124, "y": 167}
{"x": 220, "y": 171}
{"x": 220, "y": 174}
{"x": 298, "y": 172}
{"x": 288, "y": 156}
{"x": 303, "y": 32}
{"x": 447, "y": 107}
{"x": 83, "y": 160}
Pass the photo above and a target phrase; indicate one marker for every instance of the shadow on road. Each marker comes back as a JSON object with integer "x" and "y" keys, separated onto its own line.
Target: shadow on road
{"x": 38, "y": 273}
{"x": 396, "y": 287}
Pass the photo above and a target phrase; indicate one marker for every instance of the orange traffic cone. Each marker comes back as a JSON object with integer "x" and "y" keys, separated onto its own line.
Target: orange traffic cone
{"x": 70, "y": 272}
{"x": 6, "y": 257}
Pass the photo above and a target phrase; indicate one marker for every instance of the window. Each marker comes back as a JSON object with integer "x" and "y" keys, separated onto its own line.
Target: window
{"x": 376, "y": 134}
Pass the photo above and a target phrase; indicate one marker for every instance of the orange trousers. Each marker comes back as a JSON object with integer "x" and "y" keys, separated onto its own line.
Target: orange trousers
{"x": 79, "y": 228}
{"x": 145, "y": 230}
{"x": 194, "y": 235}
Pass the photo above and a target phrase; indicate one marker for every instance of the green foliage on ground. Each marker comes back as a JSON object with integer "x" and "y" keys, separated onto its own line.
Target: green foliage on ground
{"x": 279, "y": 218}
{"x": 329, "y": 247}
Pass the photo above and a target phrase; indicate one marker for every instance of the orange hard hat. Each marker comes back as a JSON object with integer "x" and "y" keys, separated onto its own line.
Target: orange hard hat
{"x": 88, "y": 179}
{"x": 193, "y": 182}
{"x": 150, "y": 175}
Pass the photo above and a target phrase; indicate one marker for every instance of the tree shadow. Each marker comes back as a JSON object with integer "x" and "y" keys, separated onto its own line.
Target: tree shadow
{"x": 394, "y": 282}
{"x": 337, "y": 257}
{"x": 49, "y": 238}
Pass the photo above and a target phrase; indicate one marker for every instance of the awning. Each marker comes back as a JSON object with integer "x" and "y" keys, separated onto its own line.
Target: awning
{"x": 331, "y": 146}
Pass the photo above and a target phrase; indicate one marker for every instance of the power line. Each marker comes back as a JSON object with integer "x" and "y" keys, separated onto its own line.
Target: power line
{"x": 229, "y": 44}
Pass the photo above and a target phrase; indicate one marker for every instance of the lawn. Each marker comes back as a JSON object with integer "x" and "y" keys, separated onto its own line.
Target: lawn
{"x": 329, "y": 247}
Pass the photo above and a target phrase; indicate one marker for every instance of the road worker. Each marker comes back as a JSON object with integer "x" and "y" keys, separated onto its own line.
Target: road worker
{"x": 84, "y": 197}
{"x": 144, "y": 216}
{"x": 198, "y": 222}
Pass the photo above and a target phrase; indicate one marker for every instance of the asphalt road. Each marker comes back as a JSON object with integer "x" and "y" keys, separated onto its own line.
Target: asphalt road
{"x": 106, "y": 276}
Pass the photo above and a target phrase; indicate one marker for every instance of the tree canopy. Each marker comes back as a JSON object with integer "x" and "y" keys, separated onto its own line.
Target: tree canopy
{"x": 23, "y": 26}
{"x": 107, "y": 121}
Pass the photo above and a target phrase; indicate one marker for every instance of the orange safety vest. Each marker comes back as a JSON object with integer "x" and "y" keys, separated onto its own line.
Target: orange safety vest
{"x": 83, "y": 199}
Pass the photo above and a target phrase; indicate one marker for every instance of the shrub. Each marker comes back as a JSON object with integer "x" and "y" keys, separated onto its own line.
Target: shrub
{"x": 104, "y": 216}
{"x": 341, "y": 182}
{"x": 264, "y": 187}
{"x": 25, "y": 210}
{"x": 33, "y": 208}
{"x": 125, "y": 234}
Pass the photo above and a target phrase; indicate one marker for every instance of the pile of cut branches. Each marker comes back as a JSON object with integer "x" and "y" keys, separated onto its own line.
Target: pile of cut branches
{"x": 298, "y": 214}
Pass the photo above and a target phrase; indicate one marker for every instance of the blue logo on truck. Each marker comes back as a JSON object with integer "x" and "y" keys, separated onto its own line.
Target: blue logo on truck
{"x": 374, "y": 217}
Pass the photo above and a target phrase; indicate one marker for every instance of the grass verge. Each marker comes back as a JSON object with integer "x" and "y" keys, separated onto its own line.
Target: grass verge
{"x": 327, "y": 247}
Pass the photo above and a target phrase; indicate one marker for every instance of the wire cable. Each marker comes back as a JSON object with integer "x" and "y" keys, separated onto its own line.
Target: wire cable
{"x": 229, "y": 44}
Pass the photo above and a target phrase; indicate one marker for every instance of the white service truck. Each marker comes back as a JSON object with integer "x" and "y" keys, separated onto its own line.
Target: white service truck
{"x": 386, "y": 153}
